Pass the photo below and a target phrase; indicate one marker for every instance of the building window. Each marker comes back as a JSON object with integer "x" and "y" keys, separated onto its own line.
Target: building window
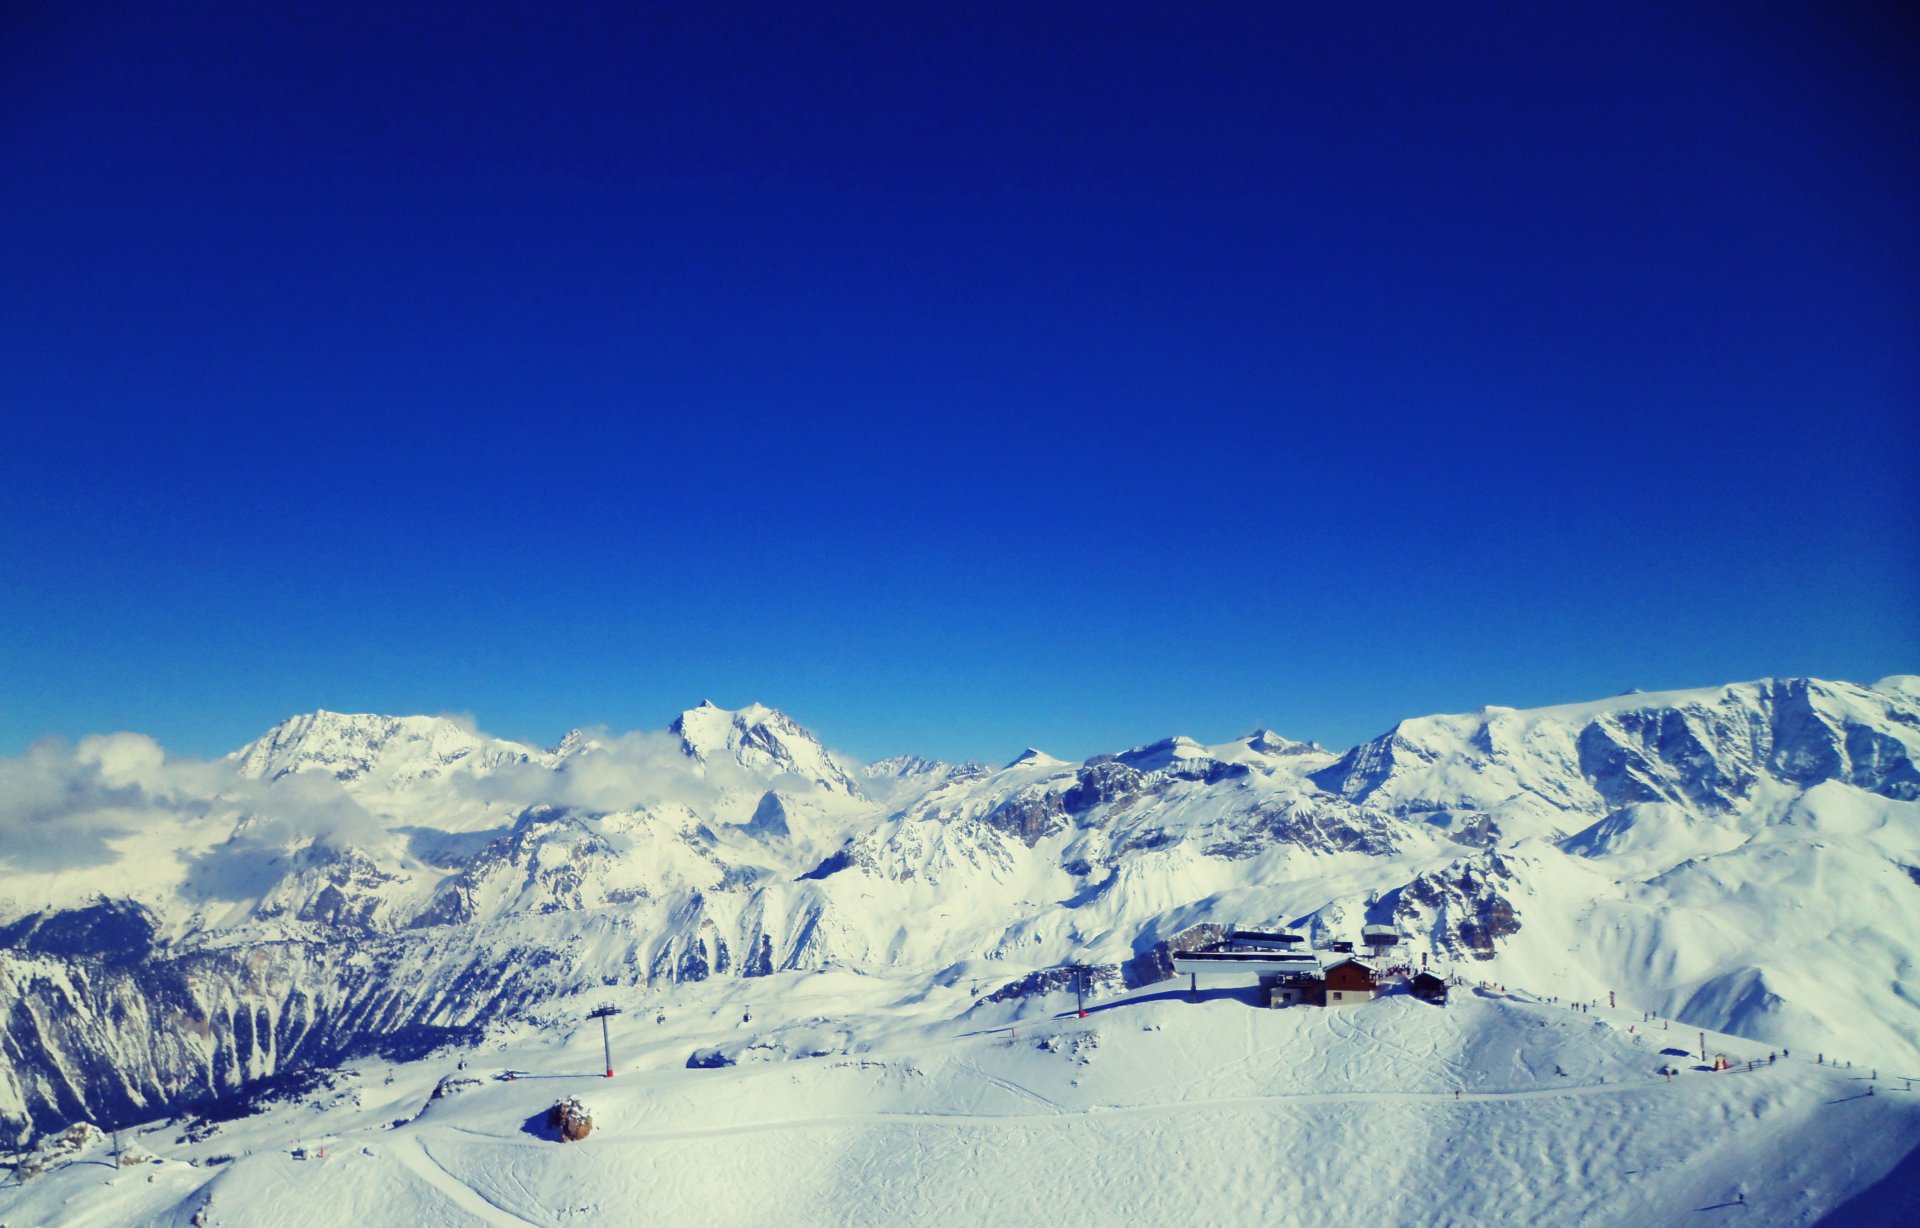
{"x": 1336, "y": 996}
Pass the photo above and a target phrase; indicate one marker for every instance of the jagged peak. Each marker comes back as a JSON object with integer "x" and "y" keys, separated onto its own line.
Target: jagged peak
{"x": 762, "y": 739}
{"x": 573, "y": 742}
{"x": 707, "y": 714}
{"x": 904, "y": 765}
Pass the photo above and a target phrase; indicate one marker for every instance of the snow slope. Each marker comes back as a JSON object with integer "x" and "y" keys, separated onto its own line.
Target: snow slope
{"x": 1742, "y": 858}
{"x": 869, "y": 1100}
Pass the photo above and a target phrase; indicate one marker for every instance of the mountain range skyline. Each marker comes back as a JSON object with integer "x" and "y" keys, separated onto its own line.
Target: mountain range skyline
{"x": 1078, "y": 748}
{"x": 347, "y": 881}
{"x": 1276, "y": 367}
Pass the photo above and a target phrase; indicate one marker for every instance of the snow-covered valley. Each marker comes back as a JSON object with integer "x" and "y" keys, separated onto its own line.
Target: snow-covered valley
{"x": 370, "y": 895}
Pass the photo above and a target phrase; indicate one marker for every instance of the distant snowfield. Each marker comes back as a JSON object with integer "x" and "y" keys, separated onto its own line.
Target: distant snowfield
{"x": 931, "y": 1109}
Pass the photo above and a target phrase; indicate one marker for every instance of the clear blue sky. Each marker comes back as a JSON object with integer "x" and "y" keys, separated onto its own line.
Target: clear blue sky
{"x": 954, "y": 377}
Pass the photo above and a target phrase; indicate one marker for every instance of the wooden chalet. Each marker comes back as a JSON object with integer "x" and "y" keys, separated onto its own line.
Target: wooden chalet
{"x": 1348, "y": 982}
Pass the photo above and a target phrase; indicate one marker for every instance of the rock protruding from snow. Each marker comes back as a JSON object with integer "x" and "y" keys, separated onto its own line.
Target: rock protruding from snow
{"x": 769, "y": 819}
{"x": 1267, "y": 742}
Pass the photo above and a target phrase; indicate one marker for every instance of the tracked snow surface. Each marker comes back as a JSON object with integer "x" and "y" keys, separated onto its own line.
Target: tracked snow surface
{"x": 858, "y": 967}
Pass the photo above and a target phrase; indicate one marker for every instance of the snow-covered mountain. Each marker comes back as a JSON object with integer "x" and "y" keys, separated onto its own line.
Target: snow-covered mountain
{"x": 389, "y": 750}
{"x": 1744, "y": 858}
{"x": 762, "y": 740}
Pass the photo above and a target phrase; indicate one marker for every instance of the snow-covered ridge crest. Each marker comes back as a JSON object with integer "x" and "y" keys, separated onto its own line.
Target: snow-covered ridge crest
{"x": 389, "y": 750}
{"x": 1550, "y": 771}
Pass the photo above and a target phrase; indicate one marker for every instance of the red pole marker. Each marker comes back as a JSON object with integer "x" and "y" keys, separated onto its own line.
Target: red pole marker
{"x": 609, "y": 1072}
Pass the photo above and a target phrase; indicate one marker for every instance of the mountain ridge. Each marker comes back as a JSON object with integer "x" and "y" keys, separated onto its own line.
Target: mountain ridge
{"x": 396, "y": 877}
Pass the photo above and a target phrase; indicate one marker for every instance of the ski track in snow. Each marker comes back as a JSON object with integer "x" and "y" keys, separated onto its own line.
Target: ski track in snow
{"x": 1016, "y": 1089}
{"x": 417, "y": 1157}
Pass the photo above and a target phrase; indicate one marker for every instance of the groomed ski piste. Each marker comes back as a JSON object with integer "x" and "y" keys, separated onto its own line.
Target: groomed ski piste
{"x": 851, "y": 1099}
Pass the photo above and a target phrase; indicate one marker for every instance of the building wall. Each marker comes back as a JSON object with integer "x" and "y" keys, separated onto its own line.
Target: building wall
{"x": 1349, "y": 978}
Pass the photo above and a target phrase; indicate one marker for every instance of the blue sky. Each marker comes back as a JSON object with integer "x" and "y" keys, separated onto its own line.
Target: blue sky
{"x": 954, "y": 380}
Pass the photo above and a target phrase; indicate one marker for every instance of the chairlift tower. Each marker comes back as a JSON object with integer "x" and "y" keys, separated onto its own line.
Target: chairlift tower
{"x": 603, "y": 1014}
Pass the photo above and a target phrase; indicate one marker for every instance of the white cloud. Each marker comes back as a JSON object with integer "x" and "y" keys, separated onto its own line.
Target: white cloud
{"x": 62, "y": 807}
{"x": 629, "y": 771}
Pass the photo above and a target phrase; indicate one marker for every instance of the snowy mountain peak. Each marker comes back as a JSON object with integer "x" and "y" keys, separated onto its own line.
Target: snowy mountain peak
{"x": 1903, "y": 686}
{"x": 763, "y": 740}
{"x": 1166, "y": 753}
{"x": 1034, "y": 757}
{"x": 1267, "y": 742}
{"x": 386, "y": 750}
